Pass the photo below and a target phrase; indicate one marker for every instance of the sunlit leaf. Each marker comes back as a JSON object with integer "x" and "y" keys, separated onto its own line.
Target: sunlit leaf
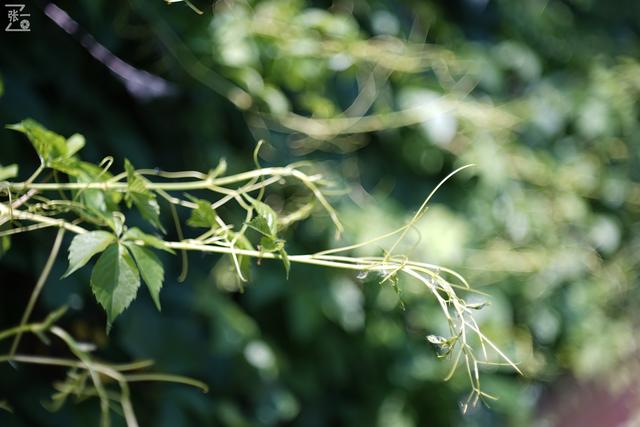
{"x": 148, "y": 207}
{"x": 49, "y": 145}
{"x": 260, "y": 225}
{"x": 52, "y": 148}
{"x": 84, "y": 246}
{"x": 115, "y": 281}
{"x": 150, "y": 269}
{"x": 266, "y": 223}
{"x": 264, "y": 211}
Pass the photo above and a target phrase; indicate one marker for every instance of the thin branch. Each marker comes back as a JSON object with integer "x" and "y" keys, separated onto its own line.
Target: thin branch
{"x": 36, "y": 291}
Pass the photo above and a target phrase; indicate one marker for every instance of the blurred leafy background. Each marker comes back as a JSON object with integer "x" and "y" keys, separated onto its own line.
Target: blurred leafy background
{"x": 387, "y": 97}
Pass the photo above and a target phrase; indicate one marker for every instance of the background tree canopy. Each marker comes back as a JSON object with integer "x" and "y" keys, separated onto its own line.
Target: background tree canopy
{"x": 385, "y": 98}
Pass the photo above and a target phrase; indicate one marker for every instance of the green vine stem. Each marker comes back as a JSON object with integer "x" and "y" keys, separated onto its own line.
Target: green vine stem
{"x": 100, "y": 228}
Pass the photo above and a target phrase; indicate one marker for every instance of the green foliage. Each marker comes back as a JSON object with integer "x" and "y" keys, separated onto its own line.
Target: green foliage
{"x": 84, "y": 246}
{"x": 99, "y": 204}
{"x": 443, "y": 345}
{"x": 115, "y": 280}
{"x": 150, "y": 269}
{"x": 50, "y": 146}
{"x": 203, "y": 215}
{"x": 543, "y": 100}
{"x": 266, "y": 223}
{"x": 124, "y": 257}
{"x": 144, "y": 200}
{"x": 267, "y": 220}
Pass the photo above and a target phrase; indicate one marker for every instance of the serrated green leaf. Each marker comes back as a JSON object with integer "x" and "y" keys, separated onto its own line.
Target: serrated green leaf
{"x": 135, "y": 181}
{"x": 7, "y": 172}
{"x": 115, "y": 281}
{"x": 49, "y": 145}
{"x": 203, "y": 215}
{"x": 144, "y": 200}
{"x": 260, "y": 225}
{"x": 264, "y": 211}
{"x": 150, "y": 269}
{"x": 84, "y": 246}
{"x": 268, "y": 244}
{"x": 266, "y": 223}
{"x": 148, "y": 207}
{"x": 54, "y": 150}
{"x": 135, "y": 233}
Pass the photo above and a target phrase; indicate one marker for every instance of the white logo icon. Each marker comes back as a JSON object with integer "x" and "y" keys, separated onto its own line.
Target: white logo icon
{"x": 18, "y": 19}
